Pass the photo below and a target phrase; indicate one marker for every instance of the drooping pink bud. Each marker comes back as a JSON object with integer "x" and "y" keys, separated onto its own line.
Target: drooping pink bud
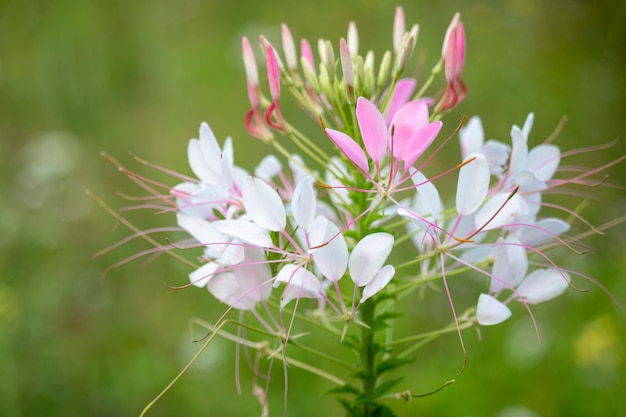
{"x": 273, "y": 116}
{"x": 273, "y": 72}
{"x": 454, "y": 53}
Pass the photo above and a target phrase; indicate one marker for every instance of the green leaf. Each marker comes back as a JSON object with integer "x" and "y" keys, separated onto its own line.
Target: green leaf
{"x": 383, "y": 411}
{"x": 387, "y": 385}
{"x": 344, "y": 389}
{"x": 393, "y": 363}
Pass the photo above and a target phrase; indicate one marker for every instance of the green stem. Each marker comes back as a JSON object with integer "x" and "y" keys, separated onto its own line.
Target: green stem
{"x": 368, "y": 358}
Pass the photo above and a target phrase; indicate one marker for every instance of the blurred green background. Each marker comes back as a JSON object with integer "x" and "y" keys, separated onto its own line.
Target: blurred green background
{"x": 77, "y": 77}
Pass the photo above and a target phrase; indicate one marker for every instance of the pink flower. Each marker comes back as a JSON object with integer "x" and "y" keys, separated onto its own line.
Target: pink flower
{"x": 403, "y": 142}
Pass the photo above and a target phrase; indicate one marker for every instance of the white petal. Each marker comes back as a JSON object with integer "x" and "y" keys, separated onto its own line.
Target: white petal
{"x": 508, "y": 209}
{"x": 473, "y": 184}
{"x": 332, "y": 258}
{"x": 201, "y": 276}
{"x": 543, "y": 160}
{"x": 427, "y": 202}
{"x": 245, "y": 231}
{"x": 528, "y": 124}
{"x": 263, "y": 204}
{"x": 210, "y": 148}
{"x": 198, "y": 164}
{"x": 201, "y": 230}
{"x": 519, "y": 152}
{"x": 209, "y": 195}
{"x": 491, "y": 311}
{"x": 268, "y": 168}
{"x": 296, "y": 165}
{"x": 542, "y": 285}
{"x": 379, "y": 282}
{"x": 300, "y": 284}
{"x": 254, "y": 275}
{"x": 528, "y": 182}
{"x": 303, "y": 203}
{"x": 368, "y": 256}
{"x": 543, "y": 230}
{"x": 225, "y": 288}
{"x": 497, "y": 154}
{"x": 510, "y": 264}
{"x": 472, "y": 137}
{"x": 232, "y": 254}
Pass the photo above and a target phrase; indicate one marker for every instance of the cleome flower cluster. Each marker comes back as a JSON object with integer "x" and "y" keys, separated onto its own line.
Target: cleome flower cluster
{"x": 333, "y": 235}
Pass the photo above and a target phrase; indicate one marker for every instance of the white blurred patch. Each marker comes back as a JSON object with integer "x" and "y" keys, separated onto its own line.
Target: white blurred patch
{"x": 522, "y": 348}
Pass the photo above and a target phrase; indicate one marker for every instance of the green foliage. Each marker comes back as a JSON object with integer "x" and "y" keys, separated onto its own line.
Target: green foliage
{"x": 140, "y": 76}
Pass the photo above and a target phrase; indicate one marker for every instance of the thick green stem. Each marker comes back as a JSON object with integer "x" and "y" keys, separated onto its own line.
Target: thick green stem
{"x": 368, "y": 358}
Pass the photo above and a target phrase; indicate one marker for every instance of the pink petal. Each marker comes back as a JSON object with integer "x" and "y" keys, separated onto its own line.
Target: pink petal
{"x": 473, "y": 184}
{"x": 373, "y": 129}
{"x": 368, "y": 257}
{"x": 411, "y": 132}
{"x": 263, "y": 204}
{"x": 420, "y": 142}
{"x": 401, "y": 95}
{"x": 490, "y": 311}
{"x": 409, "y": 119}
{"x": 350, "y": 148}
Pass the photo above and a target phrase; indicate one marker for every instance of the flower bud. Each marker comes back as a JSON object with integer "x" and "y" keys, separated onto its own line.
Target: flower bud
{"x": 359, "y": 74}
{"x": 249, "y": 62}
{"x": 289, "y": 48}
{"x": 353, "y": 40}
{"x": 398, "y": 30}
{"x": 264, "y": 45}
{"x": 405, "y": 52}
{"x": 309, "y": 74}
{"x": 383, "y": 71}
{"x": 327, "y": 56}
{"x": 346, "y": 66}
{"x": 325, "y": 83}
{"x": 273, "y": 72}
{"x": 305, "y": 50}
